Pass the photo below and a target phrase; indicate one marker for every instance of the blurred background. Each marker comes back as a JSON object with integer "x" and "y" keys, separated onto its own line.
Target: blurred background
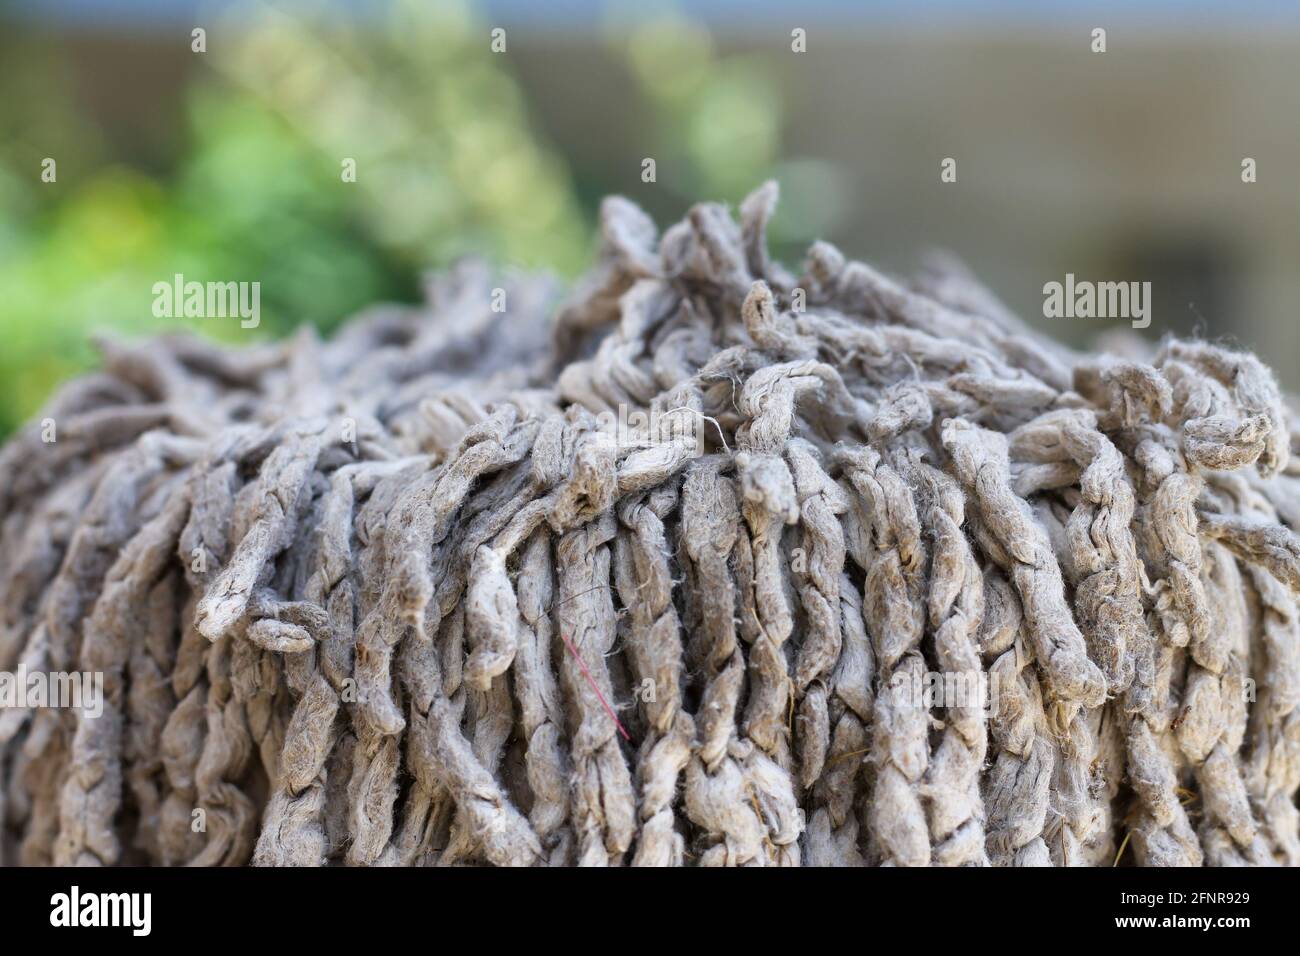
{"x": 225, "y": 164}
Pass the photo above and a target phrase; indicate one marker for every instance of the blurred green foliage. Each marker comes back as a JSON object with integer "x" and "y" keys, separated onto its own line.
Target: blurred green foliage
{"x": 717, "y": 118}
{"x": 448, "y": 162}
{"x": 446, "y": 165}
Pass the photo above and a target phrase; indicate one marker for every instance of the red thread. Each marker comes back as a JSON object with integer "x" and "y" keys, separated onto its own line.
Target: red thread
{"x": 587, "y": 674}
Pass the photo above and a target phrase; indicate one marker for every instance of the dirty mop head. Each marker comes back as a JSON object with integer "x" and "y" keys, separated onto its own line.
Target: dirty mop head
{"x": 710, "y": 565}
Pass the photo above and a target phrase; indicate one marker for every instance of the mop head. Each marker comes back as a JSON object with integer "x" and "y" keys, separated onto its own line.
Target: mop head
{"x": 710, "y": 564}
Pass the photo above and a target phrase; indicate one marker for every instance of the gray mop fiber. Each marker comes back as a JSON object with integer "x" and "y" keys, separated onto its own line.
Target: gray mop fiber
{"x": 711, "y": 564}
